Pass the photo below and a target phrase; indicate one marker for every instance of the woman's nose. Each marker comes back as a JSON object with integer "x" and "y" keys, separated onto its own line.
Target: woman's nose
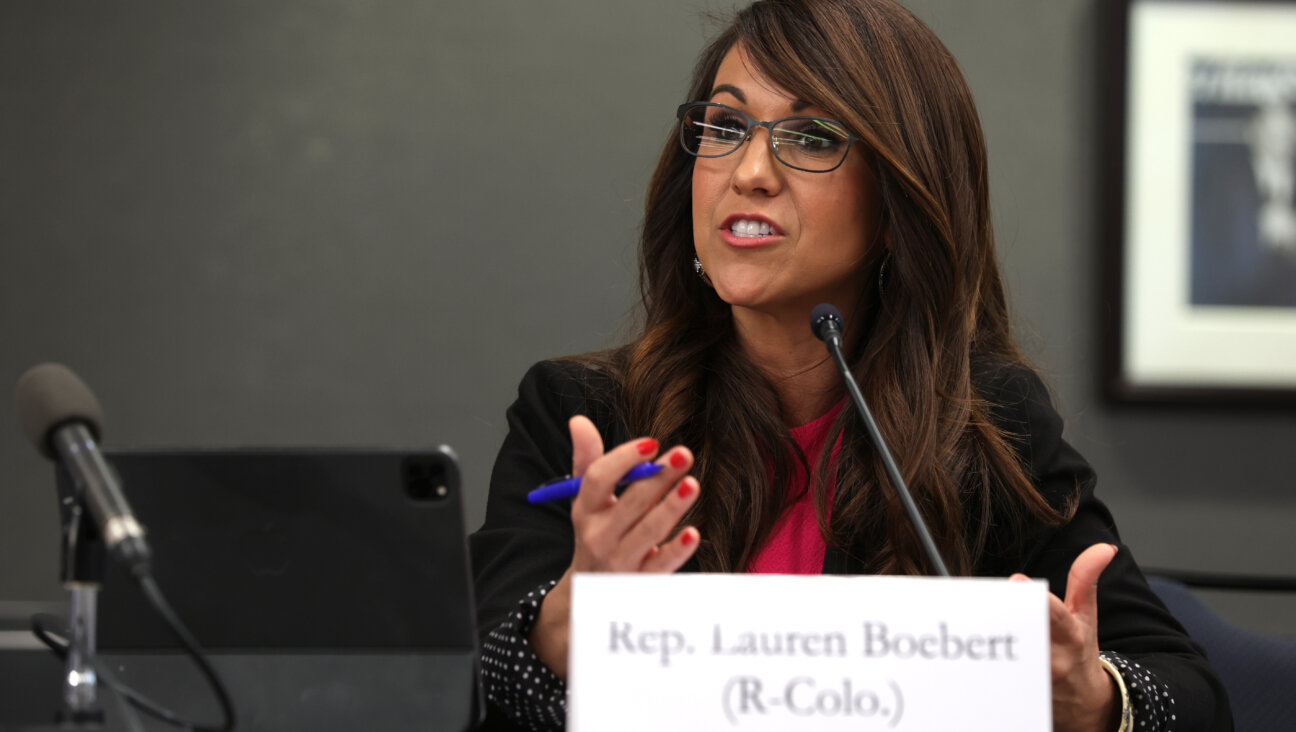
{"x": 758, "y": 169}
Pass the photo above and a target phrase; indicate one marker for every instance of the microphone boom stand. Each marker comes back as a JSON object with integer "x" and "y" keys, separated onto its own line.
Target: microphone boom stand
{"x": 826, "y": 324}
{"x": 82, "y": 575}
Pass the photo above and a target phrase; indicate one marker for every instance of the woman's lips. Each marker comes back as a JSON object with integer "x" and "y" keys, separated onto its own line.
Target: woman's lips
{"x": 749, "y": 230}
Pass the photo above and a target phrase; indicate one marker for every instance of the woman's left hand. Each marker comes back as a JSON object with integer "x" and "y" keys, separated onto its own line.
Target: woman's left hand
{"x": 1085, "y": 696}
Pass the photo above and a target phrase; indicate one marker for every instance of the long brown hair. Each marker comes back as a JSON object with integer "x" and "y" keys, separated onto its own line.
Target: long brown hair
{"x": 874, "y": 66}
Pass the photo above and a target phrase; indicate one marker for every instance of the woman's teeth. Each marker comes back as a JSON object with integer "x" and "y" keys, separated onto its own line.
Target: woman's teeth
{"x": 746, "y": 227}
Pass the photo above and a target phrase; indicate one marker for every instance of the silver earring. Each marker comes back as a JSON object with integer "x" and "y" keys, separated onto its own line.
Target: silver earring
{"x": 882, "y": 278}
{"x": 701, "y": 273}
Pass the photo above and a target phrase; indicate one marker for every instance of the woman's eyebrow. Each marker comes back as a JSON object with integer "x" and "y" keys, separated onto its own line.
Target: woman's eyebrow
{"x": 731, "y": 89}
{"x": 797, "y": 104}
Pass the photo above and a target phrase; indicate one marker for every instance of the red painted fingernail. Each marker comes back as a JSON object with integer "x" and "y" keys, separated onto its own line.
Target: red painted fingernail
{"x": 647, "y": 446}
{"x": 688, "y": 537}
{"x": 685, "y": 489}
{"x": 678, "y": 459}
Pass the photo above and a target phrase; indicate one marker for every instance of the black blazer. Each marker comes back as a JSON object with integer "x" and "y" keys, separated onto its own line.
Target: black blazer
{"x": 521, "y": 546}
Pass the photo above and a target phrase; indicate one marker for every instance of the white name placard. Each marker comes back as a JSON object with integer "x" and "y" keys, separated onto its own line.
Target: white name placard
{"x": 768, "y": 652}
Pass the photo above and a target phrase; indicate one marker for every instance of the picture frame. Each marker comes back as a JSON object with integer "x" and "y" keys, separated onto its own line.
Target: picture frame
{"x": 1199, "y": 150}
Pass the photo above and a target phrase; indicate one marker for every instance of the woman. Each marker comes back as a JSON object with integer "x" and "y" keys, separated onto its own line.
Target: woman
{"x": 869, "y": 191}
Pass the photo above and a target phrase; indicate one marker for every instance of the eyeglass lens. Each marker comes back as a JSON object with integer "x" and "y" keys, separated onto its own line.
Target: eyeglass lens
{"x": 808, "y": 143}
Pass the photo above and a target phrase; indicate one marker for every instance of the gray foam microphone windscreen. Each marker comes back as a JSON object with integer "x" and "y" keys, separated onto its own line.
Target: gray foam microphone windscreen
{"x": 50, "y": 395}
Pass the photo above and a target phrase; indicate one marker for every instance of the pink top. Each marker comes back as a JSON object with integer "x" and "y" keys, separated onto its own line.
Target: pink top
{"x": 796, "y": 546}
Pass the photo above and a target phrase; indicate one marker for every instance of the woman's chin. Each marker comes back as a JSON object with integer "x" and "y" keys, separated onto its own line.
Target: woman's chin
{"x": 758, "y": 300}
{"x": 738, "y": 296}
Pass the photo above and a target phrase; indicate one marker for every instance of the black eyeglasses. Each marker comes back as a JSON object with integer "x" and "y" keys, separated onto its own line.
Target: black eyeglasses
{"x": 812, "y": 144}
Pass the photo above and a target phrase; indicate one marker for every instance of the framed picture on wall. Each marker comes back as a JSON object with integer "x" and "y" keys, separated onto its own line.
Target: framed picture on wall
{"x": 1201, "y": 185}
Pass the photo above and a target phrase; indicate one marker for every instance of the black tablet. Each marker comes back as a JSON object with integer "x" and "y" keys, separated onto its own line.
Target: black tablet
{"x": 330, "y": 587}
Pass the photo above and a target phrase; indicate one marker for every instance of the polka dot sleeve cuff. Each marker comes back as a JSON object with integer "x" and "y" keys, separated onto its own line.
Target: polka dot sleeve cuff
{"x": 1149, "y": 697}
{"x": 516, "y": 681}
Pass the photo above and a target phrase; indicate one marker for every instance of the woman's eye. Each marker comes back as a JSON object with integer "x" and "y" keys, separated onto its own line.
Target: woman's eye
{"x": 810, "y": 135}
{"x": 725, "y": 127}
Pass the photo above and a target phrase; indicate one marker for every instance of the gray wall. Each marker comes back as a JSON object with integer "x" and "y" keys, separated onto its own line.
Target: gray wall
{"x": 357, "y": 223}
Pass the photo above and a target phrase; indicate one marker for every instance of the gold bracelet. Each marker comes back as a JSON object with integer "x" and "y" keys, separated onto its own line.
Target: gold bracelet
{"x": 1127, "y": 711}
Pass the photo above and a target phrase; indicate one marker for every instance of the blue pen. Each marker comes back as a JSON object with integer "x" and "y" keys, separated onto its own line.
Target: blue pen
{"x": 556, "y": 490}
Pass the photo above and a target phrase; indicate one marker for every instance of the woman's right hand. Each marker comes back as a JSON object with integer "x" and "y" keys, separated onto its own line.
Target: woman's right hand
{"x": 626, "y": 533}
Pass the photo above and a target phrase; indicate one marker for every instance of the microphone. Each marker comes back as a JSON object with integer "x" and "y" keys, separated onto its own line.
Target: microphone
{"x": 62, "y": 418}
{"x": 826, "y": 322}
